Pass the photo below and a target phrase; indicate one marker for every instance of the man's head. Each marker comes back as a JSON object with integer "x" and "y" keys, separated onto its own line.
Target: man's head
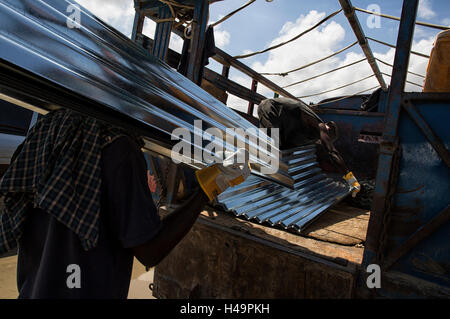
{"x": 332, "y": 131}
{"x": 329, "y": 133}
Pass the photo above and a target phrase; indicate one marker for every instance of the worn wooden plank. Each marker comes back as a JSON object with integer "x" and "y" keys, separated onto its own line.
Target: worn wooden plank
{"x": 212, "y": 89}
{"x": 232, "y": 87}
{"x": 251, "y": 105}
{"x": 327, "y": 250}
{"x": 342, "y": 225}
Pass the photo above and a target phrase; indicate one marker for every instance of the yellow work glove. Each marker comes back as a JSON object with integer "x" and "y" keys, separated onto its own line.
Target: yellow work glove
{"x": 353, "y": 182}
{"x": 216, "y": 178}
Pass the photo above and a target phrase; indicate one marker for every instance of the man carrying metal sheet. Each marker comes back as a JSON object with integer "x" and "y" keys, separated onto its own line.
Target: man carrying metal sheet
{"x": 79, "y": 208}
{"x": 299, "y": 125}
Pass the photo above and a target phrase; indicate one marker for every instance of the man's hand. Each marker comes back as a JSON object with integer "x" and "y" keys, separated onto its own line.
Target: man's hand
{"x": 353, "y": 183}
{"x": 215, "y": 179}
{"x": 174, "y": 227}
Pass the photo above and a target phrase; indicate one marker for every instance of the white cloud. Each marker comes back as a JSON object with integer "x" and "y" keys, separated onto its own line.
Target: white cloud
{"x": 221, "y": 37}
{"x": 120, "y": 15}
{"x": 176, "y": 43}
{"x": 317, "y": 44}
{"x": 234, "y": 101}
{"x": 117, "y": 13}
{"x": 446, "y": 22}
{"x": 425, "y": 11}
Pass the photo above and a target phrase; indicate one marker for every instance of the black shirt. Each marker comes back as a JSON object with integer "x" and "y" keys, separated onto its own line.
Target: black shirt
{"x": 296, "y": 122}
{"x": 129, "y": 218}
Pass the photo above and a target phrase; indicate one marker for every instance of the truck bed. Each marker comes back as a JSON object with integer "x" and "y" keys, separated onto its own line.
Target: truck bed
{"x": 224, "y": 256}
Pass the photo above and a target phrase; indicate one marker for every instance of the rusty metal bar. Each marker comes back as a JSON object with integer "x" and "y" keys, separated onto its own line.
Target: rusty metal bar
{"x": 422, "y": 233}
{"x": 383, "y": 194}
{"x": 200, "y": 20}
{"x": 234, "y": 88}
{"x": 138, "y": 23}
{"x": 356, "y": 26}
{"x": 226, "y": 71}
{"x": 162, "y": 34}
{"x": 251, "y": 105}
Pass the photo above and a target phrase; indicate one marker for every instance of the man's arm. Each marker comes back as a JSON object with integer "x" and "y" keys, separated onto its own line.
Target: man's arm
{"x": 131, "y": 214}
{"x": 335, "y": 157}
{"x": 174, "y": 227}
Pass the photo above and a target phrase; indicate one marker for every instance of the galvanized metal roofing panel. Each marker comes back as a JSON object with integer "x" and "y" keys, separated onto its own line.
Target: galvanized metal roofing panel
{"x": 113, "y": 74}
{"x": 314, "y": 192}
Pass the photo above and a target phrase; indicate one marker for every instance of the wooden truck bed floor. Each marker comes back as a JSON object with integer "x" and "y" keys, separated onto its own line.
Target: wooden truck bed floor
{"x": 339, "y": 233}
{"x": 228, "y": 257}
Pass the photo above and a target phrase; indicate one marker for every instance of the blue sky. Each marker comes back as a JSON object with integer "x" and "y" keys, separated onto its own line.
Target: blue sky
{"x": 263, "y": 20}
{"x": 266, "y": 23}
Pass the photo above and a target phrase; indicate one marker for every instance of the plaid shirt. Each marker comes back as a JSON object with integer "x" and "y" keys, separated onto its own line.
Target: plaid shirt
{"x": 57, "y": 169}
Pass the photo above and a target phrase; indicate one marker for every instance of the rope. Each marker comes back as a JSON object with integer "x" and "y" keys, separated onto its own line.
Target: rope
{"x": 312, "y": 63}
{"x": 416, "y": 74}
{"x": 315, "y": 77}
{"x": 229, "y": 15}
{"x": 347, "y": 96}
{"x": 421, "y": 86}
{"x": 172, "y": 11}
{"x": 393, "y": 46}
{"x": 289, "y": 41}
{"x": 186, "y": 30}
{"x": 335, "y": 89}
{"x": 425, "y": 24}
{"x": 176, "y": 4}
{"x": 176, "y": 14}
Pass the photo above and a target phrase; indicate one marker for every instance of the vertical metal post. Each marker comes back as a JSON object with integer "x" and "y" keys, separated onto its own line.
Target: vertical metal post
{"x": 383, "y": 195}
{"x": 226, "y": 71}
{"x": 173, "y": 182}
{"x": 162, "y": 33}
{"x": 251, "y": 105}
{"x": 201, "y": 10}
{"x": 138, "y": 24}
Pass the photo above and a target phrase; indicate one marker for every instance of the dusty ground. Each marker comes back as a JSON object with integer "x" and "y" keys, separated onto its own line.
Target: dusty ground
{"x": 8, "y": 286}
{"x": 140, "y": 280}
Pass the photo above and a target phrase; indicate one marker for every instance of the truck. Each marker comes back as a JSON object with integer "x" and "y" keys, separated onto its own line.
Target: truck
{"x": 393, "y": 246}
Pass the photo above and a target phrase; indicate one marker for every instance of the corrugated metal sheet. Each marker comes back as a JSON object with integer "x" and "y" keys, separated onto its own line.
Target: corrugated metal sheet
{"x": 314, "y": 192}
{"x": 97, "y": 70}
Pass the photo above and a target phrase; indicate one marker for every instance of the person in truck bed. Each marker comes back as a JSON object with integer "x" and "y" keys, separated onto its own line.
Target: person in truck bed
{"x": 299, "y": 125}
{"x": 79, "y": 208}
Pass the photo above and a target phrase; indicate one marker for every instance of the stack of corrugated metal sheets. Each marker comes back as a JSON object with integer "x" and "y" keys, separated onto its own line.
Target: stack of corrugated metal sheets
{"x": 46, "y": 63}
{"x": 262, "y": 201}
